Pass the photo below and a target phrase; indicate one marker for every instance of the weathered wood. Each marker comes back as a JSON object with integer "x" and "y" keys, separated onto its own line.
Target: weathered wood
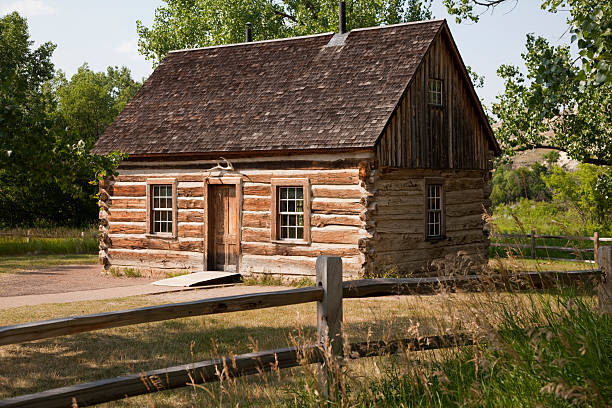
{"x": 257, "y": 190}
{"x": 346, "y": 177}
{"x": 256, "y": 204}
{"x": 167, "y": 378}
{"x": 190, "y": 230}
{"x": 313, "y": 250}
{"x": 212, "y": 370}
{"x": 190, "y": 216}
{"x": 604, "y": 257}
{"x": 336, "y": 207}
{"x": 130, "y": 216}
{"x": 60, "y": 327}
{"x": 119, "y": 190}
{"x": 595, "y": 246}
{"x": 191, "y": 191}
{"x": 190, "y": 203}
{"x": 255, "y": 220}
{"x": 429, "y": 285}
{"x": 127, "y": 203}
{"x": 328, "y": 192}
{"x": 322, "y": 220}
{"x": 336, "y": 235}
{"x": 156, "y": 243}
{"x": 533, "y": 245}
{"x": 120, "y": 228}
{"x": 329, "y": 320}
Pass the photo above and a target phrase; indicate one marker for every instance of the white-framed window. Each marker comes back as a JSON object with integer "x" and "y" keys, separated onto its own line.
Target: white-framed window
{"x": 434, "y": 94}
{"x": 161, "y": 207}
{"x": 434, "y": 212}
{"x": 162, "y": 217}
{"x": 291, "y": 212}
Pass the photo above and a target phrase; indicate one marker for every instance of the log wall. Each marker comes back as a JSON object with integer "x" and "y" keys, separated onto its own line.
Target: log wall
{"x": 397, "y": 223}
{"x": 451, "y": 136}
{"x": 337, "y": 203}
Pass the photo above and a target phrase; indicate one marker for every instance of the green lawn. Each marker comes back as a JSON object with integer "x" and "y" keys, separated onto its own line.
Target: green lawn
{"x": 15, "y": 264}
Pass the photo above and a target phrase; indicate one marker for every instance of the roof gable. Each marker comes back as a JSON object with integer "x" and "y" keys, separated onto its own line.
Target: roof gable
{"x": 291, "y": 94}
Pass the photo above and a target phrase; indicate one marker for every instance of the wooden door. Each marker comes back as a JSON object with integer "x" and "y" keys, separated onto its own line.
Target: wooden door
{"x": 223, "y": 226}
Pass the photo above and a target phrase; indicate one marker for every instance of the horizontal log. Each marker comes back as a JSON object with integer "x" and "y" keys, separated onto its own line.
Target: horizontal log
{"x": 256, "y": 204}
{"x": 191, "y": 191}
{"x": 140, "y": 178}
{"x": 256, "y": 220}
{"x": 330, "y": 235}
{"x": 78, "y": 324}
{"x": 154, "y": 257}
{"x": 390, "y": 242}
{"x": 320, "y": 220}
{"x": 118, "y": 228}
{"x": 128, "y": 190}
{"x": 190, "y": 216}
{"x": 428, "y": 254}
{"x": 156, "y": 243}
{"x": 190, "y": 203}
{"x": 555, "y": 248}
{"x": 313, "y": 250}
{"x": 336, "y": 207}
{"x": 328, "y": 192}
{"x": 190, "y": 230}
{"x": 256, "y": 234}
{"x": 127, "y": 203}
{"x": 292, "y": 265}
{"x": 131, "y": 216}
{"x": 345, "y": 177}
{"x": 390, "y": 173}
{"x": 257, "y": 190}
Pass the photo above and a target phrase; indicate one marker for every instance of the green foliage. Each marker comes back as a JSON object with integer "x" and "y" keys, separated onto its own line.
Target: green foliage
{"x": 550, "y": 107}
{"x": 510, "y": 186}
{"x": 544, "y": 217}
{"x": 559, "y": 103}
{"x": 47, "y": 127}
{"x": 199, "y": 23}
{"x": 588, "y": 191}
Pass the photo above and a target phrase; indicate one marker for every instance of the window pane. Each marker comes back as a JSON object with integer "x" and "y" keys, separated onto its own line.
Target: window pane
{"x": 300, "y": 206}
{"x": 300, "y": 233}
{"x": 283, "y": 193}
{"x": 300, "y": 220}
{"x": 291, "y": 192}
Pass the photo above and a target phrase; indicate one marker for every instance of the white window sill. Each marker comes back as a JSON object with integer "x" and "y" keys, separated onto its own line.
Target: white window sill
{"x": 290, "y": 242}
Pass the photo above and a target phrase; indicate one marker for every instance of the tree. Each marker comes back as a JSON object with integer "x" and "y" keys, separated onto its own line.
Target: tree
{"x": 45, "y": 165}
{"x": 561, "y": 103}
{"x": 199, "y": 23}
{"x": 590, "y": 24}
{"x": 588, "y": 190}
{"x": 552, "y": 107}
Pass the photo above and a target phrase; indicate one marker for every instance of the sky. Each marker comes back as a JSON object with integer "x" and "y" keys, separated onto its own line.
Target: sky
{"x": 103, "y": 33}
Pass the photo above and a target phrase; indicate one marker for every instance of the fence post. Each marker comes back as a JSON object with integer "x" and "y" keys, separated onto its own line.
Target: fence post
{"x": 533, "y": 245}
{"x": 595, "y": 245}
{"x": 329, "y": 320}
{"x": 604, "y": 257}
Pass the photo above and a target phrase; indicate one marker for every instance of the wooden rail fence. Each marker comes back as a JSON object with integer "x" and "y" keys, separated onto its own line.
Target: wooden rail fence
{"x": 532, "y": 237}
{"x": 328, "y": 293}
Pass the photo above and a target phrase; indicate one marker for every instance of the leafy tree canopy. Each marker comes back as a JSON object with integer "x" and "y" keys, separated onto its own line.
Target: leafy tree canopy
{"x": 47, "y": 128}
{"x": 199, "y": 23}
{"x": 561, "y": 102}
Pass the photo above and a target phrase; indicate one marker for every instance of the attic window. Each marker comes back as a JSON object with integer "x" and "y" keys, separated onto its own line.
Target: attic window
{"x": 434, "y": 95}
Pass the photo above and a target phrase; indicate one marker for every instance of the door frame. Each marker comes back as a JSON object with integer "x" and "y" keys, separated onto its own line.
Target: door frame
{"x": 221, "y": 180}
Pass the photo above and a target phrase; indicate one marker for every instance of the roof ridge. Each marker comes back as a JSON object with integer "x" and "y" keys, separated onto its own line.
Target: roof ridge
{"x": 437, "y": 20}
{"x": 310, "y": 35}
{"x": 252, "y": 42}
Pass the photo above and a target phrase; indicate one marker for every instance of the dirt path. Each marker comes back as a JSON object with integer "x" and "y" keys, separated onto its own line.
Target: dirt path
{"x": 78, "y": 283}
{"x": 62, "y": 279}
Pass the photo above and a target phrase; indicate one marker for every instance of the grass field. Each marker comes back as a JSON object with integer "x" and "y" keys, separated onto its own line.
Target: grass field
{"x": 45, "y": 364}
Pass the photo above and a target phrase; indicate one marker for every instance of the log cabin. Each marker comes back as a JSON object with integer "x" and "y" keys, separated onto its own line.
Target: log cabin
{"x": 258, "y": 157}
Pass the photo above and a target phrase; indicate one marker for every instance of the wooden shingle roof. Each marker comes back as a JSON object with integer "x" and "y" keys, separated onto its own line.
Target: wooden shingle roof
{"x": 292, "y": 94}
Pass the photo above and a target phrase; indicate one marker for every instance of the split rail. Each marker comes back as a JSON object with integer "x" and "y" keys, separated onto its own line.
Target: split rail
{"x": 532, "y": 237}
{"x": 329, "y": 292}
